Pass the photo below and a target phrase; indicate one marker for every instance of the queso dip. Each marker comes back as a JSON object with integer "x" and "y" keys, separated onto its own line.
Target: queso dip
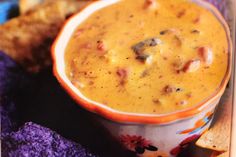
{"x": 148, "y": 56}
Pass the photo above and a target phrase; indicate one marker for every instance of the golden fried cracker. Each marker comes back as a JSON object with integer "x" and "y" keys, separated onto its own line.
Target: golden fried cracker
{"x": 26, "y": 5}
{"x": 27, "y": 38}
{"x": 218, "y": 137}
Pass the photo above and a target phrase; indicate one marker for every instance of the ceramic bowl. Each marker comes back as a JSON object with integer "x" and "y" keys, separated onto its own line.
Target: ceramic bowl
{"x": 146, "y": 134}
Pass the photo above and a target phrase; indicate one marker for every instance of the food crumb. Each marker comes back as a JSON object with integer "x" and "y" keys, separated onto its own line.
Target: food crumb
{"x": 156, "y": 101}
{"x": 181, "y": 13}
{"x": 195, "y": 31}
{"x": 192, "y": 65}
{"x": 150, "y": 4}
{"x": 101, "y": 46}
{"x": 183, "y": 102}
{"x": 123, "y": 74}
{"x": 168, "y": 89}
{"x": 206, "y": 55}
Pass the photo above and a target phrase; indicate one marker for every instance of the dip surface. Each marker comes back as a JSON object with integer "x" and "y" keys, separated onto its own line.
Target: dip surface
{"x": 149, "y": 56}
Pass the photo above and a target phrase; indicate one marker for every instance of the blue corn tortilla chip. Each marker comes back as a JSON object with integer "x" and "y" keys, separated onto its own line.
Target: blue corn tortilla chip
{"x": 31, "y": 139}
{"x": 37, "y": 141}
{"x": 12, "y": 78}
{"x": 8, "y": 117}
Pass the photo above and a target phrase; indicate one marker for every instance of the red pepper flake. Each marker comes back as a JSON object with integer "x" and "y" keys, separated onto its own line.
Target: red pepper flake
{"x": 197, "y": 20}
{"x": 206, "y": 55}
{"x": 91, "y": 83}
{"x": 101, "y": 46}
{"x": 181, "y": 13}
{"x": 149, "y": 4}
{"x": 182, "y": 103}
{"x": 165, "y": 58}
{"x": 178, "y": 65}
{"x": 168, "y": 89}
{"x": 195, "y": 31}
{"x": 178, "y": 71}
{"x": 189, "y": 95}
{"x": 156, "y": 101}
{"x": 145, "y": 73}
{"x": 123, "y": 74}
{"x": 192, "y": 65}
{"x": 79, "y": 32}
{"x": 131, "y": 16}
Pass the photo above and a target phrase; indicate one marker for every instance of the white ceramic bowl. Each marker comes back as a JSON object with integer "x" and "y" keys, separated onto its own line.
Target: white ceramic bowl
{"x": 147, "y": 135}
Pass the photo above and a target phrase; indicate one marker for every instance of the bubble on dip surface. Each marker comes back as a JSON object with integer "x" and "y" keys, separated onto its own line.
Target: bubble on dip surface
{"x": 148, "y": 56}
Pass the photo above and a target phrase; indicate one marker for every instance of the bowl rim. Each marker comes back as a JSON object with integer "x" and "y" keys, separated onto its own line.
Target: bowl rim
{"x": 126, "y": 117}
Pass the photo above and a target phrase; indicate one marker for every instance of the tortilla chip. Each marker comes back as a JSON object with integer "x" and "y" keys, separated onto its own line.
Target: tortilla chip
{"x": 35, "y": 140}
{"x": 26, "y": 5}
{"x": 28, "y": 38}
{"x": 218, "y": 137}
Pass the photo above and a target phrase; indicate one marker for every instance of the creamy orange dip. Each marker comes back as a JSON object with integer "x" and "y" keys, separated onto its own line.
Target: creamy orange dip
{"x": 148, "y": 56}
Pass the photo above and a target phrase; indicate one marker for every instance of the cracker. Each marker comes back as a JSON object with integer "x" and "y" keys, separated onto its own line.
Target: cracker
{"x": 218, "y": 137}
{"x": 26, "y": 5}
{"x": 28, "y": 38}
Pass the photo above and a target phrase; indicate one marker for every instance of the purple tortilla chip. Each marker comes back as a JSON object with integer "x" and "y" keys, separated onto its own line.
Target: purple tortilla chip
{"x": 8, "y": 117}
{"x": 12, "y": 78}
{"x": 33, "y": 140}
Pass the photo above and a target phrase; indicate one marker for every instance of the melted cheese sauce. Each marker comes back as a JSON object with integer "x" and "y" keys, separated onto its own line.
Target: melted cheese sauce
{"x": 148, "y": 56}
